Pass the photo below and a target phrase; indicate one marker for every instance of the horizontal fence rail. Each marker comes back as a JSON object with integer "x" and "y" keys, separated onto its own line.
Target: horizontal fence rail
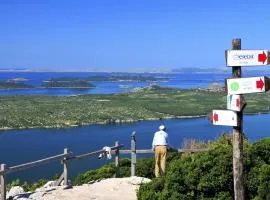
{"x": 35, "y": 163}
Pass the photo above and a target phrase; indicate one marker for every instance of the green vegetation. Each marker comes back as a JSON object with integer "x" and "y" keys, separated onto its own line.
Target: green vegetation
{"x": 31, "y": 186}
{"x": 148, "y": 103}
{"x": 208, "y": 175}
{"x": 13, "y": 85}
{"x": 27, "y": 186}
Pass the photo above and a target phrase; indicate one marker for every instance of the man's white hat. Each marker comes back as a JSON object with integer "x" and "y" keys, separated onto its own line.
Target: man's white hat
{"x": 162, "y": 127}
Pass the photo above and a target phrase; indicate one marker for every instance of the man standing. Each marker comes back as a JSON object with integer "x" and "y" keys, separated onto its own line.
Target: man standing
{"x": 159, "y": 145}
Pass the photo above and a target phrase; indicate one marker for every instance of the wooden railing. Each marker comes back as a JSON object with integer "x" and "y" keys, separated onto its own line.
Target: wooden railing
{"x": 67, "y": 155}
{"x": 64, "y": 158}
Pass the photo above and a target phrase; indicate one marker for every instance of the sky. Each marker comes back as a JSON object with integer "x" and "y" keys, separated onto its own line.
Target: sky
{"x": 128, "y": 35}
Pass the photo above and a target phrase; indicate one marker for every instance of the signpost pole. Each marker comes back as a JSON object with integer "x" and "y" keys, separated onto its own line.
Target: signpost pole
{"x": 238, "y": 172}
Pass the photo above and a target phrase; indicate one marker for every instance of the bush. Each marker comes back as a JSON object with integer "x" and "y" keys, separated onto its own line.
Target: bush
{"x": 144, "y": 168}
{"x": 206, "y": 175}
{"x": 258, "y": 169}
{"x": 27, "y": 186}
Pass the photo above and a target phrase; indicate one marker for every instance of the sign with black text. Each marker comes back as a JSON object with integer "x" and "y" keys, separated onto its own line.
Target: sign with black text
{"x": 247, "y": 57}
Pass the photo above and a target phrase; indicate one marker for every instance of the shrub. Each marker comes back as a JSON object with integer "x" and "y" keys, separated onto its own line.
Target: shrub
{"x": 206, "y": 175}
{"x": 144, "y": 168}
{"x": 258, "y": 169}
{"x": 27, "y": 186}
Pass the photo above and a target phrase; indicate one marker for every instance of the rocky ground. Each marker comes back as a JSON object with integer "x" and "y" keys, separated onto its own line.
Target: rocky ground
{"x": 107, "y": 189}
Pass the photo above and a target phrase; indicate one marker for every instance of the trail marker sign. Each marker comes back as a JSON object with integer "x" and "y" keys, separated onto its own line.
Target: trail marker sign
{"x": 224, "y": 117}
{"x": 234, "y": 102}
{"x": 247, "y": 85}
{"x": 247, "y": 57}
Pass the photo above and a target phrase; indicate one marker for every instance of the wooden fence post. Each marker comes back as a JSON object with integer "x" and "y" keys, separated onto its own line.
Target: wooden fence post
{"x": 117, "y": 157}
{"x": 238, "y": 166}
{"x": 133, "y": 154}
{"x": 3, "y": 182}
{"x": 65, "y": 166}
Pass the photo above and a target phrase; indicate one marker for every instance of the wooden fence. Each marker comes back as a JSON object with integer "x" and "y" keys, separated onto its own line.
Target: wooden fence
{"x": 64, "y": 158}
{"x": 67, "y": 155}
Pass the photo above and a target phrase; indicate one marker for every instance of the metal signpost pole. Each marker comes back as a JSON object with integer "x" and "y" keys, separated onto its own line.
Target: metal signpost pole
{"x": 238, "y": 172}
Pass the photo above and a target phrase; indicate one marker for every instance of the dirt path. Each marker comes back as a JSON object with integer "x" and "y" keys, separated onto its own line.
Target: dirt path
{"x": 108, "y": 189}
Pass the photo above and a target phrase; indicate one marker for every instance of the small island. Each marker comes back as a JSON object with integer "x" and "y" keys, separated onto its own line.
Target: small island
{"x": 4, "y": 85}
{"x": 67, "y": 84}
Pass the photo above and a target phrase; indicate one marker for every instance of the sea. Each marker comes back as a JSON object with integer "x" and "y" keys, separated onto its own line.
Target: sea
{"x": 21, "y": 146}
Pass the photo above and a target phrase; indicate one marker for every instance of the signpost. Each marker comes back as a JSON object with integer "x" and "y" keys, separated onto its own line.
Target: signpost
{"x": 247, "y": 57}
{"x": 224, "y": 117}
{"x": 247, "y": 85}
{"x": 236, "y": 87}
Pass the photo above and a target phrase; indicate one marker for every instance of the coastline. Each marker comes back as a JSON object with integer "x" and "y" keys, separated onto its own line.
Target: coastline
{"x": 117, "y": 121}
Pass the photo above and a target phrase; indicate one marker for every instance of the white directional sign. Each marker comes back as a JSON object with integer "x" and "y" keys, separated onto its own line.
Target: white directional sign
{"x": 234, "y": 102}
{"x": 247, "y": 85}
{"x": 247, "y": 57}
{"x": 224, "y": 117}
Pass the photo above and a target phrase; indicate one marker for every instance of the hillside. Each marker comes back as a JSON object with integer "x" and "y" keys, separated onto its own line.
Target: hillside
{"x": 151, "y": 103}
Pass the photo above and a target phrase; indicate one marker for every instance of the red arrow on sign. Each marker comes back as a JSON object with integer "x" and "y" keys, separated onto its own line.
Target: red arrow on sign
{"x": 260, "y": 84}
{"x": 237, "y": 102}
{"x": 215, "y": 117}
{"x": 262, "y": 57}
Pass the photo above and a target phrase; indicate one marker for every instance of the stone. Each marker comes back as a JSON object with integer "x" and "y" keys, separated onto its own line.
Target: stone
{"x": 37, "y": 195}
{"x": 49, "y": 185}
{"x": 135, "y": 180}
{"x": 68, "y": 183}
{"x": 14, "y": 191}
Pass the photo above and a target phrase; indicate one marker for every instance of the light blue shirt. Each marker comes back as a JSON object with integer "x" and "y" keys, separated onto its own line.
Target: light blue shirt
{"x": 160, "y": 138}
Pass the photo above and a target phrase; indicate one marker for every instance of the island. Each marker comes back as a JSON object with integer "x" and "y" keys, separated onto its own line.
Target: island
{"x": 67, "y": 84}
{"x": 149, "y": 103}
{"x": 4, "y": 85}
